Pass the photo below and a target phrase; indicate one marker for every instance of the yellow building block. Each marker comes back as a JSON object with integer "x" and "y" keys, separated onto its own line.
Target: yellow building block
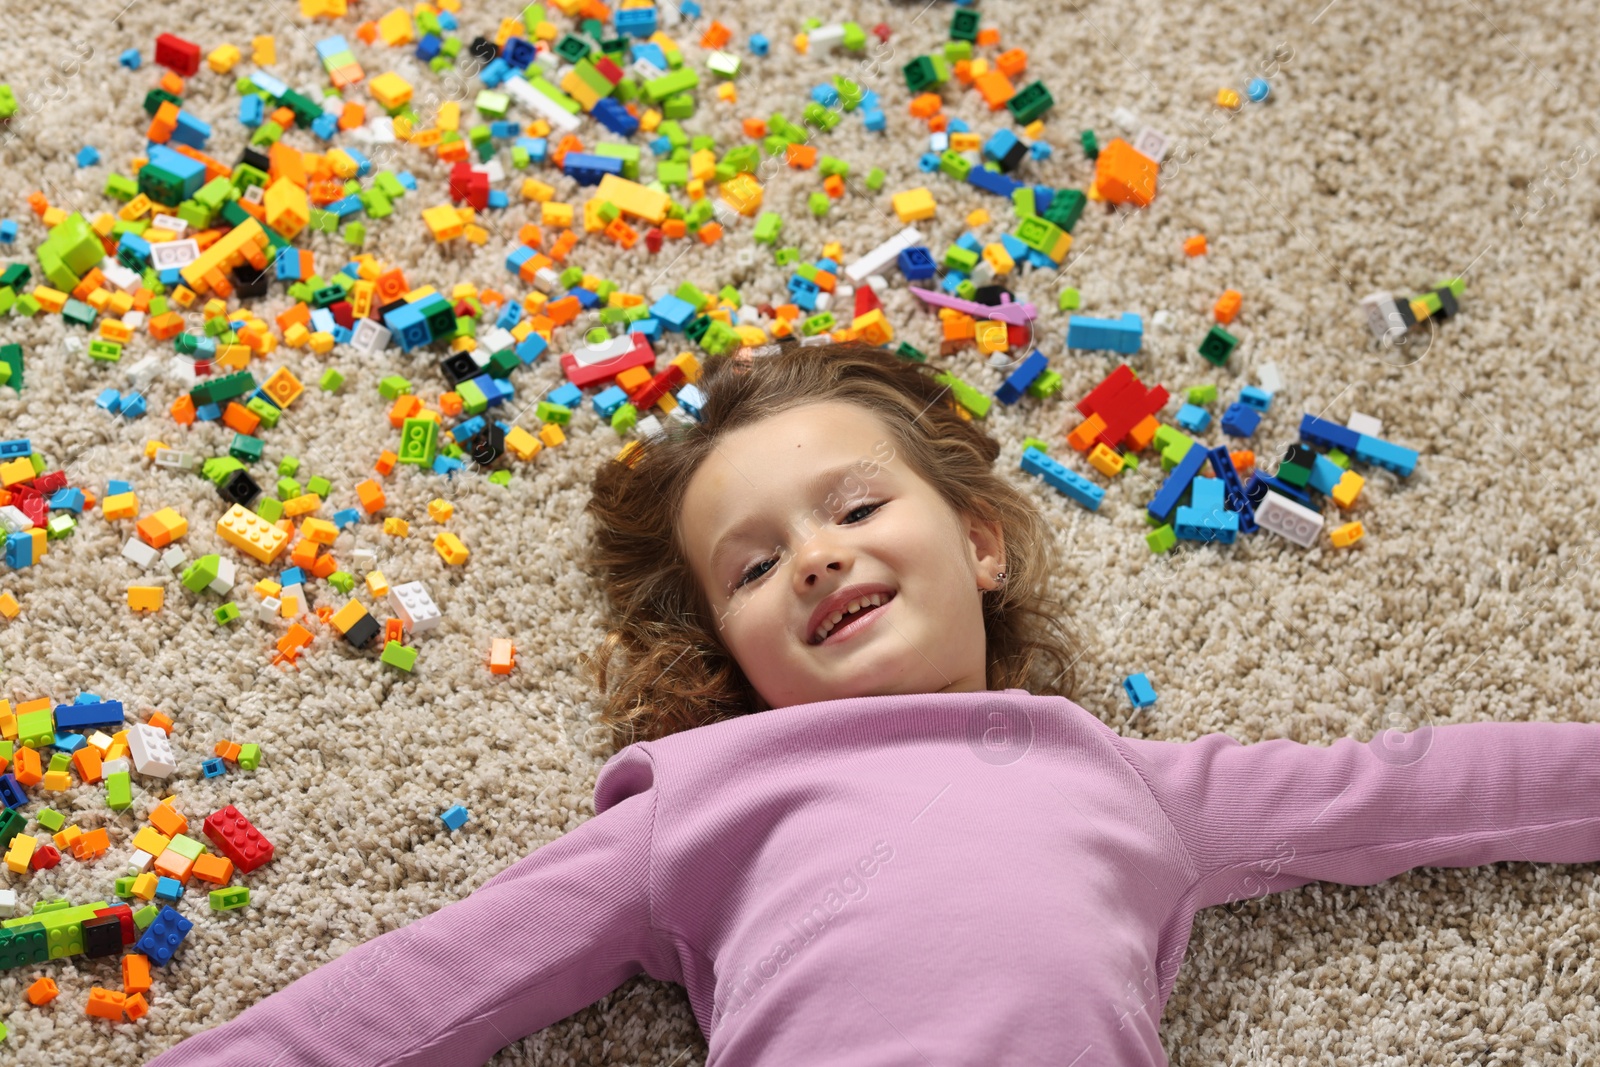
{"x": 997, "y": 257}
{"x": 267, "y": 587}
{"x": 9, "y": 606}
{"x": 450, "y": 548}
{"x": 16, "y": 472}
{"x": 550, "y": 433}
{"x": 1347, "y": 535}
{"x": 145, "y": 597}
{"x": 288, "y": 209}
{"x": 151, "y": 840}
{"x": 223, "y": 59}
{"x": 389, "y": 89}
{"x": 263, "y": 51}
{"x": 1106, "y": 460}
{"x": 396, "y": 28}
{"x": 20, "y": 852}
{"x": 440, "y": 509}
{"x": 522, "y": 444}
{"x": 914, "y": 205}
{"x": 1348, "y": 488}
{"x": 348, "y": 616}
{"x": 550, "y": 214}
{"x": 282, "y": 387}
{"x": 742, "y": 193}
{"x": 444, "y": 221}
{"x": 304, "y": 504}
{"x": 632, "y": 198}
{"x": 377, "y": 584}
{"x": 251, "y": 534}
{"x": 873, "y": 327}
{"x": 395, "y": 526}
{"x": 319, "y": 531}
{"x": 534, "y": 189}
{"x": 56, "y": 780}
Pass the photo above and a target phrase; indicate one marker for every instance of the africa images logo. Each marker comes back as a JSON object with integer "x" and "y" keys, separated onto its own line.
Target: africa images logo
{"x": 999, "y": 732}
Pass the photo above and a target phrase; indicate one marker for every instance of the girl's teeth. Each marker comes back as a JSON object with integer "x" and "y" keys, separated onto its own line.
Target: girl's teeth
{"x": 875, "y": 600}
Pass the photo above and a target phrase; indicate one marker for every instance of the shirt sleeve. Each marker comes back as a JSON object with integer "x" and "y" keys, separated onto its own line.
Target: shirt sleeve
{"x": 546, "y": 937}
{"x": 1261, "y": 818}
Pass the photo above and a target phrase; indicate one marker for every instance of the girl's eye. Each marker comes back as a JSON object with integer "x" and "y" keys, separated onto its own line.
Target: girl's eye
{"x": 753, "y": 575}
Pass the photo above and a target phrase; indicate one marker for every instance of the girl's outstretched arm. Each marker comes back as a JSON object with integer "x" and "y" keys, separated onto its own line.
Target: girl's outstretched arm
{"x": 1274, "y": 815}
{"x": 546, "y": 937}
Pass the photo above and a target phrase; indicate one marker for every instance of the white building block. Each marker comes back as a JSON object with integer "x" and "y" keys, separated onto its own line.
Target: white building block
{"x": 145, "y": 371}
{"x": 174, "y": 557}
{"x": 140, "y": 863}
{"x": 139, "y": 552}
{"x": 414, "y": 606}
{"x": 1270, "y": 377}
{"x": 883, "y": 256}
{"x": 167, "y": 255}
{"x": 369, "y": 337}
{"x": 523, "y": 92}
{"x": 650, "y": 428}
{"x": 151, "y": 751}
{"x": 8, "y": 903}
{"x": 171, "y": 222}
{"x": 1365, "y": 424}
{"x": 1278, "y": 514}
{"x": 227, "y": 571}
{"x": 115, "y": 766}
{"x": 267, "y": 610}
{"x": 14, "y": 520}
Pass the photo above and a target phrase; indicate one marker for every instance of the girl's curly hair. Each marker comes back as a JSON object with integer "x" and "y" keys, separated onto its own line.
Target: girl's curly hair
{"x": 675, "y": 672}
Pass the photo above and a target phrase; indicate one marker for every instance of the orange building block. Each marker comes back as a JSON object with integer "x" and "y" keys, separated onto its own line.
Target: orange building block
{"x": 1195, "y": 246}
{"x": 91, "y": 844}
{"x": 105, "y": 1004}
{"x": 210, "y": 867}
{"x": 995, "y": 88}
{"x": 801, "y": 156}
{"x": 43, "y": 991}
{"x": 1227, "y": 306}
{"x": 1124, "y": 175}
{"x": 87, "y": 762}
{"x": 136, "y": 1007}
{"x": 26, "y": 766}
{"x": 502, "y": 655}
{"x": 135, "y": 973}
{"x": 168, "y": 820}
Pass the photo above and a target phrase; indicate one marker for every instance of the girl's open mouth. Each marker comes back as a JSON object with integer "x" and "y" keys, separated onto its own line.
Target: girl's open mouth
{"x": 851, "y": 625}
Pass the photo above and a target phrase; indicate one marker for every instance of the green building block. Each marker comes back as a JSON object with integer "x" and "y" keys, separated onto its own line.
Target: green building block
{"x": 1338, "y": 458}
{"x": 124, "y": 888}
{"x": 1066, "y": 208}
{"x": 419, "y": 441}
{"x": 624, "y": 419}
{"x": 245, "y": 448}
{"x": 1034, "y": 442}
{"x": 1161, "y": 539}
{"x": 288, "y": 489}
{"x": 289, "y": 466}
{"x": 1069, "y": 300}
{"x": 1202, "y": 394}
{"x": 818, "y": 204}
{"x": 397, "y": 655}
{"x": 557, "y": 413}
{"x": 201, "y": 573}
{"x": 343, "y": 581}
{"x": 23, "y": 945}
{"x": 1218, "y": 345}
{"x": 11, "y": 824}
{"x": 186, "y": 846}
{"x": 119, "y": 791}
{"x": 500, "y": 477}
{"x": 227, "y": 613}
{"x": 235, "y": 896}
{"x": 50, "y": 818}
{"x": 1046, "y": 385}
{"x": 266, "y": 409}
{"x": 145, "y": 916}
{"x": 269, "y": 509}
{"x": 972, "y": 399}
{"x": 1029, "y": 102}
{"x": 36, "y": 729}
{"x": 319, "y": 485}
{"x": 250, "y": 756}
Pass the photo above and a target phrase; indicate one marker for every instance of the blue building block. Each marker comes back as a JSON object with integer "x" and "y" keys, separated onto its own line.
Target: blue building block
{"x": 213, "y": 767}
{"x": 636, "y": 21}
{"x": 1240, "y": 421}
{"x": 517, "y": 53}
{"x": 1039, "y": 152}
{"x": 1257, "y": 89}
{"x": 991, "y": 182}
{"x": 109, "y": 401}
{"x": 407, "y": 179}
{"x": 115, "y": 486}
{"x": 11, "y": 793}
{"x": 163, "y": 936}
{"x": 190, "y": 173}
{"x": 252, "y": 111}
{"x": 1000, "y": 144}
{"x": 169, "y": 890}
{"x": 466, "y": 430}
{"x": 8, "y": 231}
{"x": 446, "y": 465}
{"x": 88, "y": 156}
{"x": 674, "y": 311}
{"x": 826, "y": 95}
{"x": 1390, "y": 457}
{"x": 101, "y": 715}
{"x": 455, "y": 817}
{"x": 1193, "y": 418}
{"x": 1205, "y": 517}
{"x": 346, "y": 517}
{"x": 1327, "y": 434}
{"x": 608, "y": 400}
{"x": 916, "y": 263}
{"x": 567, "y": 395}
{"x": 1252, "y": 396}
{"x": 16, "y": 447}
{"x": 587, "y": 168}
{"x": 531, "y": 348}
{"x": 69, "y": 743}
{"x": 70, "y": 498}
{"x": 131, "y": 59}
{"x": 1325, "y": 474}
{"x": 1014, "y": 247}
{"x": 759, "y": 45}
{"x": 1166, "y": 498}
{"x": 292, "y": 576}
{"x": 429, "y": 46}
{"x": 1259, "y": 483}
{"x": 1011, "y": 389}
{"x": 873, "y": 119}
{"x": 1139, "y": 690}
{"x": 1065, "y": 481}
{"x": 1122, "y": 335}
{"x": 611, "y": 114}
{"x": 191, "y": 131}
{"x": 409, "y": 325}
{"x": 19, "y": 551}
{"x": 1235, "y": 498}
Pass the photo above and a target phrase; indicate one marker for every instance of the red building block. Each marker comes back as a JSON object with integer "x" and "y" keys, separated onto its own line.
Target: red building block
{"x": 178, "y": 55}
{"x": 235, "y": 838}
{"x": 1122, "y": 402}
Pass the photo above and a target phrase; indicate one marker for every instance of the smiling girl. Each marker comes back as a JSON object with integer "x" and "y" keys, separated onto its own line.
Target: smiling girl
{"x": 832, "y": 649}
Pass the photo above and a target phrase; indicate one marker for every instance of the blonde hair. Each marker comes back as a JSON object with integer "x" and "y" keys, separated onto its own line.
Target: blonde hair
{"x": 676, "y": 673}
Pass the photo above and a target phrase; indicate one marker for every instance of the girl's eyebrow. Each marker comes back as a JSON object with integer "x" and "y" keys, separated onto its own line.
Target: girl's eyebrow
{"x": 815, "y": 486}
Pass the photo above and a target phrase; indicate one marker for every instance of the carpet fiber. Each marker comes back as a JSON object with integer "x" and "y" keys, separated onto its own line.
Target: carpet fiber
{"x": 1396, "y": 148}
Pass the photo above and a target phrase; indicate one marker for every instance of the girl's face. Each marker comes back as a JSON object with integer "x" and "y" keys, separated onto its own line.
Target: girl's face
{"x": 794, "y": 512}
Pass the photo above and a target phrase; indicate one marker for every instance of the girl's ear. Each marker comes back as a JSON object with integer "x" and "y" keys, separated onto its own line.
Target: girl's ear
{"x": 988, "y": 546}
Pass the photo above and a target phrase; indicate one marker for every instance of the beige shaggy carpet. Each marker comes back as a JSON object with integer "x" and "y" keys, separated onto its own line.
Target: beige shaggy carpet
{"x": 1399, "y": 145}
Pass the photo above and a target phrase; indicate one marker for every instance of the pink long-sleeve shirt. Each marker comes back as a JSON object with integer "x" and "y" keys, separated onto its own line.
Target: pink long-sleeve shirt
{"x": 957, "y": 878}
